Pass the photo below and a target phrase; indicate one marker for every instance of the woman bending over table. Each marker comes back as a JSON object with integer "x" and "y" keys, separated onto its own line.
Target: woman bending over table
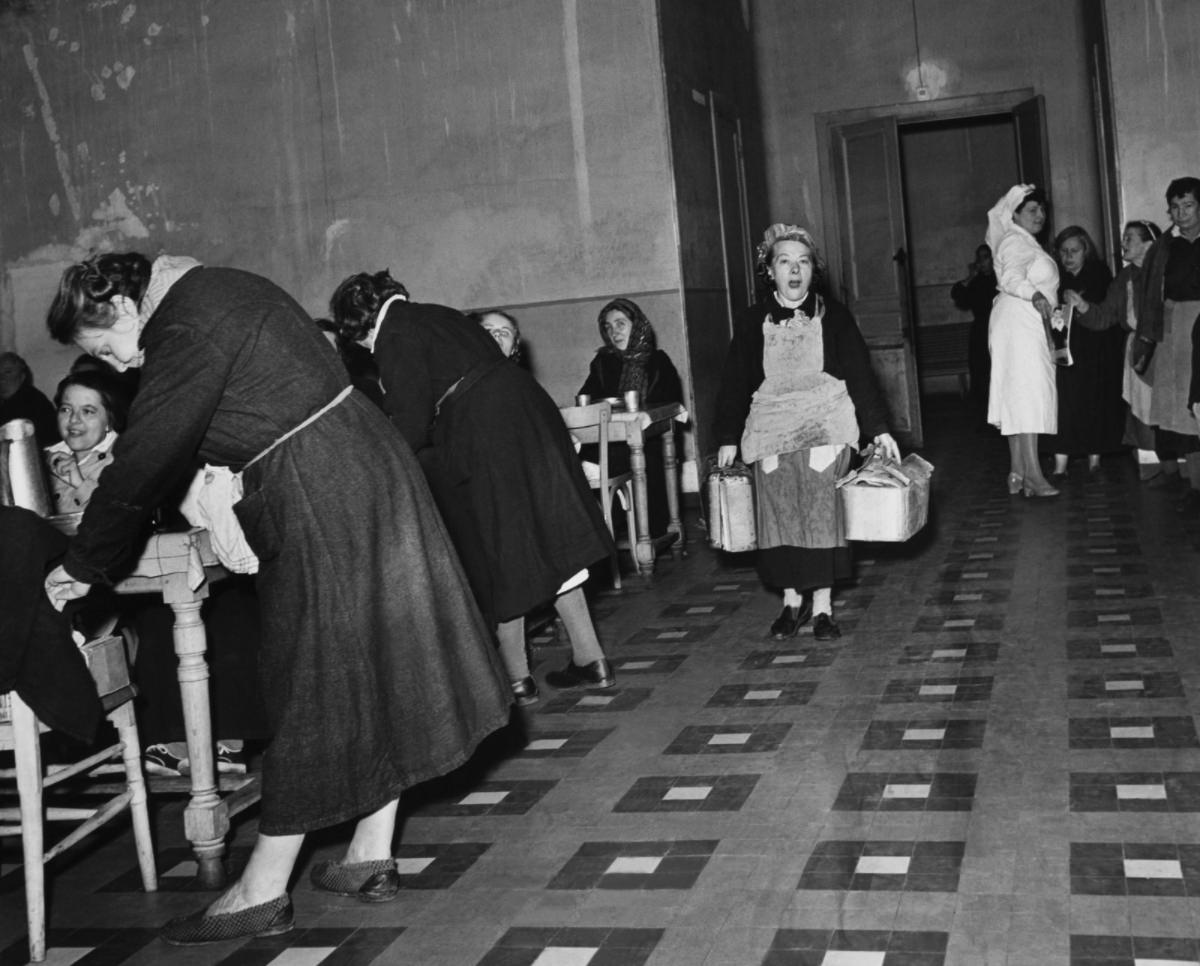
{"x": 377, "y": 669}
{"x": 797, "y": 395}
{"x": 501, "y": 466}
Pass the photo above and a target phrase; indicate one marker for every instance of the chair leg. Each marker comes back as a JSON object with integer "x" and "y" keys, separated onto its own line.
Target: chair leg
{"x": 28, "y": 755}
{"x": 139, "y": 812}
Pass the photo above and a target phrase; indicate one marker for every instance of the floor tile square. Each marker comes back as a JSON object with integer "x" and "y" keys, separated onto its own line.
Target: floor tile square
{"x": 654, "y": 865}
{"x": 774, "y": 693}
{"x": 563, "y": 742}
{"x": 909, "y": 791}
{"x": 583, "y": 701}
{"x": 691, "y": 793}
{"x": 806, "y": 657}
{"x": 923, "y": 734}
{"x": 727, "y": 739}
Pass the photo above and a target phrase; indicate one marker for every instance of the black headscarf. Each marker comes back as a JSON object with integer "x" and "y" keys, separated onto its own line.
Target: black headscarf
{"x": 642, "y": 345}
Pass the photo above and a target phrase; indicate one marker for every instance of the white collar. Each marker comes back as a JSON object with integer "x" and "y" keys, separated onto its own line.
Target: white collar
{"x": 368, "y": 340}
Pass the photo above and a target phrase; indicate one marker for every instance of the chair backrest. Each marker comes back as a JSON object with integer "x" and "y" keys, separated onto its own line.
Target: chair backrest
{"x": 594, "y": 416}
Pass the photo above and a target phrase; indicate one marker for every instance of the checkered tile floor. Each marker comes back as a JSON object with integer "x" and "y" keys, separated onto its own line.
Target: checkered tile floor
{"x": 998, "y": 763}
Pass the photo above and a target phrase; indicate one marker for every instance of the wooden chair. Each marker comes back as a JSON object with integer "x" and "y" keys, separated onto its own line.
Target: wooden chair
{"x": 19, "y": 733}
{"x": 597, "y": 417}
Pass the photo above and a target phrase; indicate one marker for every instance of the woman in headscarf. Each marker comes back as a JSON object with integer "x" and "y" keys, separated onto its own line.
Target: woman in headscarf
{"x": 1022, "y": 399}
{"x": 630, "y": 359}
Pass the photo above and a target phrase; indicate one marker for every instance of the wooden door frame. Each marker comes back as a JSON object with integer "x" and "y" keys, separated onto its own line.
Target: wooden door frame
{"x": 945, "y": 109}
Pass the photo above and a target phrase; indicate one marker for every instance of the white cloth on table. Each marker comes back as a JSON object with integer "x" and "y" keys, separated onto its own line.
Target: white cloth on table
{"x": 209, "y": 504}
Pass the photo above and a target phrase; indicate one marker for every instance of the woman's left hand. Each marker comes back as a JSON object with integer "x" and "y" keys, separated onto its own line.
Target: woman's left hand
{"x": 62, "y": 587}
{"x": 887, "y": 446}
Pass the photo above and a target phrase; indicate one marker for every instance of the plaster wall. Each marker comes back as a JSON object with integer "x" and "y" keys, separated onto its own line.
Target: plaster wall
{"x": 489, "y": 152}
{"x": 815, "y": 56}
{"x": 1154, "y": 58}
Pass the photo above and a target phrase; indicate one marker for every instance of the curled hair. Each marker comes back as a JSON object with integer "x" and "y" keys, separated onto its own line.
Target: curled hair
{"x": 1034, "y": 194}
{"x": 1184, "y": 186}
{"x": 112, "y": 395}
{"x": 518, "y": 353}
{"x": 86, "y": 289}
{"x": 778, "y": 232}
{"x": 355, "y": 303}
{"x": 1148, "y": 230}
{"x": 1075, "y": 231}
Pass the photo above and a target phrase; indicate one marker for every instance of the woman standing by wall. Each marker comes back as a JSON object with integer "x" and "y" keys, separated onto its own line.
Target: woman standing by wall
{"x": 1171, "y": 274}
{"x": 1091, "y": 413}
{"x": 1121, "y": 308}
{"x": 797, "y": 394}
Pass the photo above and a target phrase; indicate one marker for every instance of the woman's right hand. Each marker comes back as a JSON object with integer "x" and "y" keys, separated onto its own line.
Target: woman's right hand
{"x": 62, "y": 587}
{"x": 1042, "y": 304}
{"x": 726, "y": 455}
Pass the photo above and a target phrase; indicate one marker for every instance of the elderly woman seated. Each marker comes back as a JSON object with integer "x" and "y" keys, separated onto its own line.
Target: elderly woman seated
{"x": 630, "y": 359}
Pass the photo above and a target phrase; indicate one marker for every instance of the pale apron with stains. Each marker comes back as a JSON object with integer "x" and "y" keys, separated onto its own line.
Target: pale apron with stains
{"x": 797, "y": 437}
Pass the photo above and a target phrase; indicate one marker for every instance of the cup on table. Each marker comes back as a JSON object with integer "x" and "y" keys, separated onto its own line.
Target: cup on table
{"x": 583, "y": 399}
{"x": 633, "y": 401}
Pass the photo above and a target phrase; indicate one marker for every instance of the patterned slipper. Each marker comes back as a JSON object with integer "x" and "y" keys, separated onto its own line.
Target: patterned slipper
{"x": 268, "y": 919}
{"x": 376, "y": 881}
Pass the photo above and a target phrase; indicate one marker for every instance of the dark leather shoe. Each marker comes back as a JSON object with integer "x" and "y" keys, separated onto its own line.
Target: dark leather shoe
{"x": 791, "y": 619}
{"x": 525, "y": 691}
{"x": 268, "y": 919}
{"x": 365, "y": 881}
{"x": 598, "y": 674}
{"x": 825, "y": 628}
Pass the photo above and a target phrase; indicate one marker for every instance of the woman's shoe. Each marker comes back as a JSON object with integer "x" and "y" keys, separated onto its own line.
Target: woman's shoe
{"x": 268, "y": 919}
{"x": 1038, "y": 489}
{"x": 365, "y": 881}
{"x": 598, "y": 674}
{"x": 1015, "y": 481}
{"x": 825, "y": 628}
{"x": 525, "y": 691}
{"x": 791, "y": 619}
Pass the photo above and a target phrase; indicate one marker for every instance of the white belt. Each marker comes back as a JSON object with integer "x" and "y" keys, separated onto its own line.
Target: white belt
{"x": 295, "y": 429}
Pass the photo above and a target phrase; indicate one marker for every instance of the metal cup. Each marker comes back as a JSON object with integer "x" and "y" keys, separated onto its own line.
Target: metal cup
{"x": 583, "y": 399}
{"x": 633, "y": 401}
{"x": 22, "y": 473}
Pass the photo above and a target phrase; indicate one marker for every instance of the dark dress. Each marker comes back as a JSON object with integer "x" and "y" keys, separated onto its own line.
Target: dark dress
{"x": 846, "y": 358}
{"x": 1091, "y": 412}
{"x": 663, "y": 385}
{"x": 377, "y": 669}
{"x": 497, "y": 455}
{"x": 29, "y": 403}
{"x": 976, "y": 296}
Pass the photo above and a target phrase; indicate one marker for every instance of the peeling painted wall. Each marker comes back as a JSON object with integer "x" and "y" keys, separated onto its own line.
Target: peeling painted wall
{"x": 487, "y": 151}
{"x": 1154, "y": 56}
{"x": 817, "y": 56}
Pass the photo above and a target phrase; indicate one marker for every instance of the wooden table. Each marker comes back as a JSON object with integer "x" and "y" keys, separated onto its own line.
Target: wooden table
{"x": 634, "y": 429}
{"x": 180, "y": 567}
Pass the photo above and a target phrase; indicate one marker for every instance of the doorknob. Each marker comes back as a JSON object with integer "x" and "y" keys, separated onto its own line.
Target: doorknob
{"x": 901, "y": 257}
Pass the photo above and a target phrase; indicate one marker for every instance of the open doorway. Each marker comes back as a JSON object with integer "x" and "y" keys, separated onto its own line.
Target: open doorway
{"x": 866, "y": 219}
{"x": 952, "y": 171}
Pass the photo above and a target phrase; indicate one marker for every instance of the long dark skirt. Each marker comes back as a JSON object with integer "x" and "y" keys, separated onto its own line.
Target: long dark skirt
{"x": 512, "y": 492}
{"x": 378, "y": 669}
